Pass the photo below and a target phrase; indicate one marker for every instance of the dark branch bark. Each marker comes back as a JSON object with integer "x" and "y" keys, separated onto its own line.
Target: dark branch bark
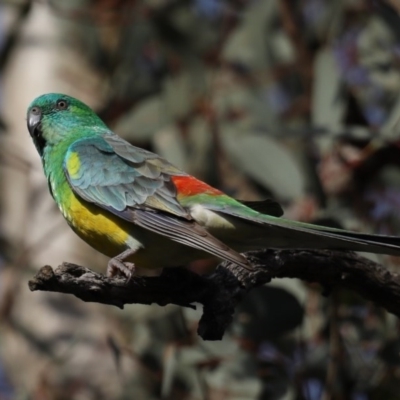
{"x": 223, "y": 289}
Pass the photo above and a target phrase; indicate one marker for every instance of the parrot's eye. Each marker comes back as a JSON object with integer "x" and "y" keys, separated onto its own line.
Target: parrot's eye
{"x": 62, "y": 105}
{"x": 35, "y": 110}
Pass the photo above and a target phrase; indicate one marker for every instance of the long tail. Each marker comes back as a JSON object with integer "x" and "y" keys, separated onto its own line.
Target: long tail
{"x": 283, "y": 233}
{"x": 379, "y": 244}
{"x": 301, "y": 235}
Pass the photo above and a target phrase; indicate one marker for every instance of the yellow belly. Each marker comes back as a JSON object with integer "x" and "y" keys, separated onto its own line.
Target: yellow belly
{"x": 102, "y": 230}
{"x": 112, "y": 235}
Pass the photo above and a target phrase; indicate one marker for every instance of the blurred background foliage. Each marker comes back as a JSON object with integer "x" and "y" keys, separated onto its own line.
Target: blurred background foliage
{"x": 298, "y": 100}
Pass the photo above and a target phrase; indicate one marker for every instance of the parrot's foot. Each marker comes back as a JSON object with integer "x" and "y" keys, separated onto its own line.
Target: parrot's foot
{"x": 117, "y": 267}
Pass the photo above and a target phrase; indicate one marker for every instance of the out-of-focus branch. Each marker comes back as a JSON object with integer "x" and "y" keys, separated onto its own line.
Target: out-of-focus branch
{"x": 292, "y": 26}
{"x": 223, "y": 289}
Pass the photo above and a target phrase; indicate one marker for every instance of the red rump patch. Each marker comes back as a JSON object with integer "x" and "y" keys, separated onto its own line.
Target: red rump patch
{"x": 190, "y": 186}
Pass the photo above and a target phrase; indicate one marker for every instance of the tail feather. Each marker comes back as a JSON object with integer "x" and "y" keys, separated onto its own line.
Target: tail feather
{"x": 380, "y": 244}
{"x": 320, "y": 237}
{"x": 261, "y": 230}
{"x": 283, "y": 233}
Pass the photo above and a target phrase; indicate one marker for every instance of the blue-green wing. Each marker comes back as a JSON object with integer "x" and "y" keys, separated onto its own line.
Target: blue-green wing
{"x": 112, "y": 173}
{"x": 136, "y": 185}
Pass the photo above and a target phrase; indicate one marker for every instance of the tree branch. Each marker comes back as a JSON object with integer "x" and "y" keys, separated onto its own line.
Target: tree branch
{"x": 225, "y": 287}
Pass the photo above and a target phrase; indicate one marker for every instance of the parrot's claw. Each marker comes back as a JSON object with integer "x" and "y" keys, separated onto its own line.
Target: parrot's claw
{"x": 117, "y": 267}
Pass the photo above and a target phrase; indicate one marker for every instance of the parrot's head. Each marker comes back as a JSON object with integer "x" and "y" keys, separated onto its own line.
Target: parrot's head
{"x": 53, "y": 117}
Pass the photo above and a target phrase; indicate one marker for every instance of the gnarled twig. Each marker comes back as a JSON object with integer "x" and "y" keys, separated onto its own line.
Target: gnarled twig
{"x": 225, "y": 287}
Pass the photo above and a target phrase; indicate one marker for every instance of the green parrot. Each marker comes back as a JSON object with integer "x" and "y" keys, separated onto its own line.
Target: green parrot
{"x": 145, "y": 213}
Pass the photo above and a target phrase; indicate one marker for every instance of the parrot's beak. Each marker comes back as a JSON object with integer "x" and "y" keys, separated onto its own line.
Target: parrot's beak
{"x": 34, "y": 118}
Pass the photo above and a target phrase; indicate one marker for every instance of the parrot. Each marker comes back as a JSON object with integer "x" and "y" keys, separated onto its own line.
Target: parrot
{"x": 146, "y": 214}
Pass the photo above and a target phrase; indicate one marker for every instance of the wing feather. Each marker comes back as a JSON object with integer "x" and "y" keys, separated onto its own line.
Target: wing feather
{"x": 115, "y": 174}
{"x": 188, "y": 233}
{"x": 136, "y": 185}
